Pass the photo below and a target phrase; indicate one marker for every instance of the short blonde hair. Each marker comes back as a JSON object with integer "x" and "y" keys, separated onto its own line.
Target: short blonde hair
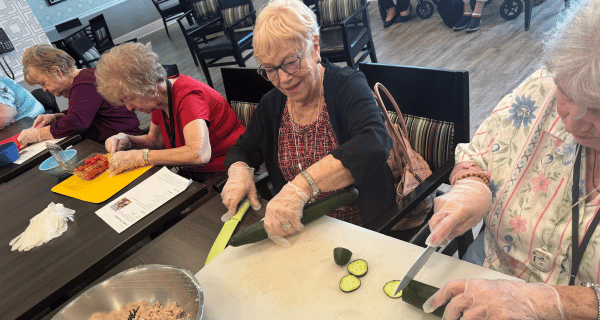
{"x": 42, "y": 57}
{"x": 282, "y": 22}
{"x": 130, "y": 69}
{"x": 572, "y": 53}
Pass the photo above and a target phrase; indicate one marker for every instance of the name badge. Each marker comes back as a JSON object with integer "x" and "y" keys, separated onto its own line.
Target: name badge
{"x": 542, "y": 259}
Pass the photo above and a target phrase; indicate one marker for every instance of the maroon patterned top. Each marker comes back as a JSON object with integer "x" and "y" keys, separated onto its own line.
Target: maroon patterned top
{"x": 301, "y": 146}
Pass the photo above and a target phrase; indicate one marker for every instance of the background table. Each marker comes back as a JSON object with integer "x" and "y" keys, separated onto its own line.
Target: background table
{"x": 32, "y": 281}
{"x": 12, "y": 170}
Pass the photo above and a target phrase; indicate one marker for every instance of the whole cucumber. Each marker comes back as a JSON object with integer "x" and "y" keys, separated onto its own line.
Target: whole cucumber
{"x": 256, "y": 231}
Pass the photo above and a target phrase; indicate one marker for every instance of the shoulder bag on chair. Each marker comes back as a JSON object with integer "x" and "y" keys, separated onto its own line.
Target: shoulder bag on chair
{"x": 408, "y": 166}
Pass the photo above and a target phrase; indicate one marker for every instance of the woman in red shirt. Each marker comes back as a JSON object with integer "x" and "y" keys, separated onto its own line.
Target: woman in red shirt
{"x": 192, "y": 126}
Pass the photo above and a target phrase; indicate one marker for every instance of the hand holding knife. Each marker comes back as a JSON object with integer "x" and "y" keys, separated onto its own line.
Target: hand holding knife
{"x": 416, "y": 267}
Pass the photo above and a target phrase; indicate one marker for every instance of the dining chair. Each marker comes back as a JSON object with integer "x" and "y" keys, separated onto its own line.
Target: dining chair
{"x": 170, "y": 10}
{"x": 86, "y": 53}
{"x": 202, "y": 13}
{"x": 435, "y": 103}
{"x": 244, "y": 88}
{"x": 100, "y": 34}
{"x": 345, "y": 31}
{"x": 237, "y": 18}
{"x": 47, "y": 99}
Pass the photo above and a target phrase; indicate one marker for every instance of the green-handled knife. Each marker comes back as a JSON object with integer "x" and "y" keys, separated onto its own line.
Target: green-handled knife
{"x": 227, "y": 231}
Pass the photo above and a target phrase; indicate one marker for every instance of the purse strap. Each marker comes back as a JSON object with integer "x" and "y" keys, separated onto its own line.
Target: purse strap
{"x": 399, "y": 134}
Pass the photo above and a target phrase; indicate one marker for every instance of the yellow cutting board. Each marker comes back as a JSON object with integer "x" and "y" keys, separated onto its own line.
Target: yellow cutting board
{"x": 100, "y": 189}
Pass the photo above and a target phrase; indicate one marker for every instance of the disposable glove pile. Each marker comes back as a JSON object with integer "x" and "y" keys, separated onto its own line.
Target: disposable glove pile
{"x": 45, "y": 226}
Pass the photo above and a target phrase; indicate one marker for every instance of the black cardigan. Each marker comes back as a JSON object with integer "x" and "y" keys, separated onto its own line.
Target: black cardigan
{"x": 364, "y": 144}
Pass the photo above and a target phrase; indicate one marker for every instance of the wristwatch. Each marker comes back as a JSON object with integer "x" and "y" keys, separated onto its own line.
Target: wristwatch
{"x": 597, "y": 289}
{"x": 145, "y": 153}
{"x": 311, "y": 183}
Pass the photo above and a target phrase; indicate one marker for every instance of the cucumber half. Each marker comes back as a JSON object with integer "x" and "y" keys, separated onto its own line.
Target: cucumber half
{"x": 416, "y": 293}
{"x": 349, "y": 283}
{"x": 358, "y": 267}
{"x": 390, "y": 288}
{"x": 341, "y": 256}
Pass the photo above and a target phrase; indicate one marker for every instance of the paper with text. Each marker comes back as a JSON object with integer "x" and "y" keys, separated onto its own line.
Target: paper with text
{"x": 34, "y": 149}
{"x": 144, "y": 198}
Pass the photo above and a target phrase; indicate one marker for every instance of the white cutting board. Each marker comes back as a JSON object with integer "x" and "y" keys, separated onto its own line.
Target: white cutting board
{"x": 263, "y": 281}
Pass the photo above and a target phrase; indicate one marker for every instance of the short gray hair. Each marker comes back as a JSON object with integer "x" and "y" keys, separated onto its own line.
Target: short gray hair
{"x": 130, "y": 69}
{"x": 42, "y": 57}
{"x": 572, "y": 53}
{"x": 282, "y": 22}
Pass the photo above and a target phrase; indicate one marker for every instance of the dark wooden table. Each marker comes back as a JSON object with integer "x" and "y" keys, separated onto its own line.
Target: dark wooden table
{"x": 185, "y": 245}
{"x": 13, "y": 170}
{"x": 32, "y": 281}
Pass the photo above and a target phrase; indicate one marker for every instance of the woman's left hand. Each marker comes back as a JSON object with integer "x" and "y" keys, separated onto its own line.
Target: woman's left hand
{"x": 125, "y": 160}
{"x": 496, "y": 299}
{"x": 283, "y": 214}
{"x": 29, "y": 136}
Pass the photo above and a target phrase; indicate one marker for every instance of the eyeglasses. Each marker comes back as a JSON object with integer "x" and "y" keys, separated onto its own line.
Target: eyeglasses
{"x": 290, "y": 65}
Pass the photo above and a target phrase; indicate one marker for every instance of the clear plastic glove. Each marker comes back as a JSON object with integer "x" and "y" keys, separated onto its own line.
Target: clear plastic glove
{"x": 44, "y": 120}
{"x": 284, "y": 212}
{"x": 125, "y": 160}
{"x": 457, "y": 211}
{"x": 496, "y": 299}
{"x": 240, "y": 182}
{"x": 45, "y": 226}
{"x": 29, "y": 136}
{"x": 117, "y": 142}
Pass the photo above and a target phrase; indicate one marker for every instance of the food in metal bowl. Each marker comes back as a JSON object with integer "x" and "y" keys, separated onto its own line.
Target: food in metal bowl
{"x": 141, "y": 310}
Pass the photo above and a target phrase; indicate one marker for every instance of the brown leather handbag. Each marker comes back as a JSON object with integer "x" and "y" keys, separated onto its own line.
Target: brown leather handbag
{"x": 408, "y": 166}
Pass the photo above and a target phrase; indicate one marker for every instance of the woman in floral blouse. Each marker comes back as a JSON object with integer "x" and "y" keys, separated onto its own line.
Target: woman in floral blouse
{"x": 527, "y": 162}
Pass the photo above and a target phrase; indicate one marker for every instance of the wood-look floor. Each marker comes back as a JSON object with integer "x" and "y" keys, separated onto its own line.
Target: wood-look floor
{"x": 498, "y": 56}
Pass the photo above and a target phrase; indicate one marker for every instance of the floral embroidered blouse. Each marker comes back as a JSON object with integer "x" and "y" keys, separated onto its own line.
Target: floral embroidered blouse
{"x": 523, "y": 145}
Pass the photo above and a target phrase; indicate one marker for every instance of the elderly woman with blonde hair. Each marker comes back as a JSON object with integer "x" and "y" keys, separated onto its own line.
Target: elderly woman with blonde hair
{"x": 530, "y": 174}
{"x": 88, "y": 114}
{"x": 319, "y": 129}
{"x": 192, "y": 126}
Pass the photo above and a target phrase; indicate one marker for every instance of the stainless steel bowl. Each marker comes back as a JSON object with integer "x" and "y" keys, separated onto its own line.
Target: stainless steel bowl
{"x": 151, "y": 282}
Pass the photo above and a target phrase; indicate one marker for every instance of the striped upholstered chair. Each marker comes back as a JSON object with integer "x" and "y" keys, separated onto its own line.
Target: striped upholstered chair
{"x": 236, "y": 19}
{"x": 435, "y": 103}
{"x": 202, "y": 13}
{"x": 345, "y": 30}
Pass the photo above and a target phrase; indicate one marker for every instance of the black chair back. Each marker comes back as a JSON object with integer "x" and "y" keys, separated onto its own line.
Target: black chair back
{"x": 100, "y": 32}
{"x": 47, "y": 99}
{"x": 244, "y": 84}
{"x": 426, "y": 92}
{"x": 172, "y": 69}
{"x": 68, "y": 25}
{"x": 86, "y": 51}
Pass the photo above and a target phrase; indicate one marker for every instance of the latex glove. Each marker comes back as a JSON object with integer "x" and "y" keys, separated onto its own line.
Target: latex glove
{"x": 240, "y": 182}
{"x": 43, "y": 120}
{"x": 496, "y": 299}
{"x": 29, "y": 136}
{"x": 284, "y": 212}
{"x": 458, "y": 211}
{"x": 125, "y": 160}
{"x": 117, "y": 142}
{"x": 45, "y": 226}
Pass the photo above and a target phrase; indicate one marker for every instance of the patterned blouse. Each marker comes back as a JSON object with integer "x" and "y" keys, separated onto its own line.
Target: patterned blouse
{"x": 302, "y": 146}
{"x": 523, "y": 145}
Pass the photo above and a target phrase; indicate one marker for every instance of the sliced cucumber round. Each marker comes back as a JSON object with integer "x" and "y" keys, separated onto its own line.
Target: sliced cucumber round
{"x": 341, "y": 256}
{"x": 349, "y": 283}
{"x": 390, "y": 288}
{"x": 358, "y": 267}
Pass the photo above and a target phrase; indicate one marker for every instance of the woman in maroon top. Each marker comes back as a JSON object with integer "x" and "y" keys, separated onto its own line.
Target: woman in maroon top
{"x": 194, "y": 132}
{"x": 88, "y": 113}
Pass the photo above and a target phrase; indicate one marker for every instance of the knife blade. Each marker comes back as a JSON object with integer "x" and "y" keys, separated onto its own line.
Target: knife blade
{"x": 416, "y": 267}
{"x": 227, "y": 230}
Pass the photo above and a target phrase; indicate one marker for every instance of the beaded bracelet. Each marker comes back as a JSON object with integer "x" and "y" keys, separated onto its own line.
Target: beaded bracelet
{"x": 479, "y": 175}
